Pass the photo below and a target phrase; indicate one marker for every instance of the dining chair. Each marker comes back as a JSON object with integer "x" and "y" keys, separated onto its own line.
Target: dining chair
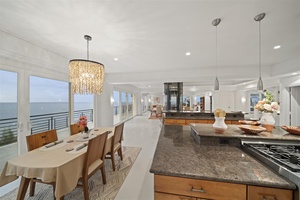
{"x": 116, "y": 145}
{"x": 94, "y": 161}
{"x": 75, "y": 128}
{"x": 35, "y": 141}
{"x": 158, "y": 111}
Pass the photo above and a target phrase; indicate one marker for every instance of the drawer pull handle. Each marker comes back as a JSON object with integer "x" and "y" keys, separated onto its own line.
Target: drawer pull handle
{"x": 266, "y": 198}
{"x": 197, "y": 190}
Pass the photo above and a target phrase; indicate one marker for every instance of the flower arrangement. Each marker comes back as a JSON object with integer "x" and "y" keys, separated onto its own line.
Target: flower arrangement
{"x": 82, "y": 121}
{"x": 268, "y": 104}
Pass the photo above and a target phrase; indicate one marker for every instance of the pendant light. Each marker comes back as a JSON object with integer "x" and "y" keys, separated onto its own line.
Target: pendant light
{"x": 260, "y": 85}
{"x": 215, "y": 23}
{"x": 86, "y": 76}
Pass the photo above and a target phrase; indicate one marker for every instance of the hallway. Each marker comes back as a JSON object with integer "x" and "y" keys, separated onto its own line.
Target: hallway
{"x": 140, "y": 132}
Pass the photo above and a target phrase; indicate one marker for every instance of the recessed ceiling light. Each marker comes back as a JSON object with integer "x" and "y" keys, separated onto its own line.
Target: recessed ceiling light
{"x": 116, "y": 59}
{"x": 188, "y": 53}
{"x": 295, "y": 73}
{"x": 149, "y": 85}
{"x": 277, "y": 47}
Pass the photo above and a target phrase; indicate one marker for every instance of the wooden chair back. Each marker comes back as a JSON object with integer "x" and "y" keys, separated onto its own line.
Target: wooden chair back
{"x": 118, "y": 134}
{"x": 95, "y": 151}
{"x": 40, "y": 139}
{"x": 75, "y": 128}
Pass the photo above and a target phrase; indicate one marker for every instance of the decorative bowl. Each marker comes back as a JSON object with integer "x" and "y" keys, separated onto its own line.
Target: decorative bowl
{"x": 292, "y": 129}
{"x": 251, "y": 129}
{"x": 248, "y": 122}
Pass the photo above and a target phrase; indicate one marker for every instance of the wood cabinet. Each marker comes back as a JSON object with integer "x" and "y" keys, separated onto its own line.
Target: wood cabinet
{"x": 199, "y": 189}
{"x": 175, "y": 121}
{"x": 265, "y": 193}
{"x": 177, "y": 188}
{"x": 161, "y": 196}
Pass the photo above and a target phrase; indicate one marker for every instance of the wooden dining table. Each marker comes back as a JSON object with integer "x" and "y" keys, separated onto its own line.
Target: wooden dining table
{"x": 57, "y": 164}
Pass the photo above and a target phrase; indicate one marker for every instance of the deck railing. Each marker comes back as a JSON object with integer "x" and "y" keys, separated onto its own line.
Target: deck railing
{"x": 39, "y": 123}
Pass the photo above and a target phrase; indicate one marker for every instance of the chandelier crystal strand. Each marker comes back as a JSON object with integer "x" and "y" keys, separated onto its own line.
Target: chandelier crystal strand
{"x": 86, "y": 76}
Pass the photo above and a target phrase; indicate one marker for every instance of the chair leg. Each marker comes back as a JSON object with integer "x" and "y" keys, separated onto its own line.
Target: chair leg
{"x": 120, "y": 153}
{"x": 113, "y": 161}
{"x": 53, "y": 187}
{"x": 32, "y": 187}
{"x": 103, "y": 174}
{"x": 85, "y": 187}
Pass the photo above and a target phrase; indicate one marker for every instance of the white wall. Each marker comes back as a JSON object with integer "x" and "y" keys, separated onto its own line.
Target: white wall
{"x": 103, "y": 107}
{"x": 224, "y": 100}
{"x": 295, "y": 106}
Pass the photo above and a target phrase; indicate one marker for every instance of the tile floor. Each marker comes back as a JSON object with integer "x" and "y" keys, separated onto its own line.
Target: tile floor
{"x": 140, "y": 132}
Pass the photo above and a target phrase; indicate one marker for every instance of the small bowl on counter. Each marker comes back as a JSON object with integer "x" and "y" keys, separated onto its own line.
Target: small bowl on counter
{"x": 249, "y": 129}
{"x": 249, "y": 122}
{"x": 292, "y": 129}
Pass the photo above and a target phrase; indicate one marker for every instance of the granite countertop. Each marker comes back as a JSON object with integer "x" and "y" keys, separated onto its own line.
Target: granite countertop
{"x": 178, "y": 155}
{"x": 234, "y": 131}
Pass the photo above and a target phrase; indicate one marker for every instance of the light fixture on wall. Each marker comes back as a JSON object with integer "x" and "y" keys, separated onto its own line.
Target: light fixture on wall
{"x": 260, "y": 85}
{"x": 86, "y": 76}
{"x": 215, "y": 23}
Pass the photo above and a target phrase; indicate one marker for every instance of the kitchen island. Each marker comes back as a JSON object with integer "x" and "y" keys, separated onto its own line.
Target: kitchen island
{"x": 187, "y": 117}
{"x": 184, "y": 169}
{"x": 205, "y": 134}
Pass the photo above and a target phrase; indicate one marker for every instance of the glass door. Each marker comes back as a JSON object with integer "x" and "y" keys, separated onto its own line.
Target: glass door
{"x": 8, "y": 116}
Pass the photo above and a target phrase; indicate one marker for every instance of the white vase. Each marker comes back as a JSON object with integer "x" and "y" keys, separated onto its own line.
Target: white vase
{"x": 219, "y": 124}
{"x": 267, "y": 120}
{"x": 85, "y": 135}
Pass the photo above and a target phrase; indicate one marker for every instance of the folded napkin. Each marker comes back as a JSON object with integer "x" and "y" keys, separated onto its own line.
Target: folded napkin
{"x": 53, "y": 143}
{"x": 81, "y": 146}
{"x": 50, "y": 145}
{"x": 58, "y": 141}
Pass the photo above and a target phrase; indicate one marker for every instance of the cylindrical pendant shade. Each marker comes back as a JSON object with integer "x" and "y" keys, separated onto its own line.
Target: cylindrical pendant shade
{"x": 260, "y": 85}
{"x": 216, "y": 86}
{"x": 86, "y": 76}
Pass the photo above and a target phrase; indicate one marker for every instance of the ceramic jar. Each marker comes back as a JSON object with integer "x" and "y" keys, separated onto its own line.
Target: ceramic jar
{"x": 267, "y": 120}
{"x": 219, "y": 124}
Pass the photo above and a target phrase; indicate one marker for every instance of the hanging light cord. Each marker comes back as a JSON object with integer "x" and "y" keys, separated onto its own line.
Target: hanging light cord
{"x": 259, "y": 51}
{"x": 217, "y": 51}
{"x": 87, "y": 49}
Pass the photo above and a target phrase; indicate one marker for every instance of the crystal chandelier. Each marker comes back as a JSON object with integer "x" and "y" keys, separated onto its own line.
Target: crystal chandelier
{"x": 86, "y": 76}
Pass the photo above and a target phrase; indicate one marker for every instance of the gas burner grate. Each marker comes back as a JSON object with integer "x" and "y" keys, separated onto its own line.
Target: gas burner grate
{"x": 285, "y": 155}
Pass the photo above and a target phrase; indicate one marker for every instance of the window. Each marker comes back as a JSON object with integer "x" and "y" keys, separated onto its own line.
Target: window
{"x": 8, "y": 116}
{"x": 83, "y": 105}
{"x": 49, "y": 104}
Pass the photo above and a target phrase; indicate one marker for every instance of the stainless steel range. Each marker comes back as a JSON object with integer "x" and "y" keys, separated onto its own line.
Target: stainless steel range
{"x": 281, "y": 156}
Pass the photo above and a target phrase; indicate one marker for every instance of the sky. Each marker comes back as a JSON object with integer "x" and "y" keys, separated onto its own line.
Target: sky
{"x": 41, "y": 89}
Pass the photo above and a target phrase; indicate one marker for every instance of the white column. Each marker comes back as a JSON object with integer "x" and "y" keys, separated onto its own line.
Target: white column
{"x": 103, "y": 112}
{"x": 139, "y": 108}
{"x": 284, "y": 105}
{"x": 24, "y": 126}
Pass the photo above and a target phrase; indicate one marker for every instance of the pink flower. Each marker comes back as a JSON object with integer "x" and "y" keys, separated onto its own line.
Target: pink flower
{"x": 267, "y": 107}
{"x": 82, "y": 121}
{"x": 275, "y": 106}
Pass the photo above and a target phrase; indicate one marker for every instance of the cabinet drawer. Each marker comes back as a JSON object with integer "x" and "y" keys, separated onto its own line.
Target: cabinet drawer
{"x": 235, "y": 122}
{"x": 210, "y": 121}
{"x": 199, "y": 188}
{"x": 227, "y": 121}
{"x": 259, "y": 193}
{"x": 197, "y": 121}
{"x": 175, "y": 121}
{"x": 163, "y": 196}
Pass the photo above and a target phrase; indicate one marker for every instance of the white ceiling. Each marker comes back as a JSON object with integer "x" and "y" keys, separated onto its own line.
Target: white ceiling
{"x": 150, "y": 37}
